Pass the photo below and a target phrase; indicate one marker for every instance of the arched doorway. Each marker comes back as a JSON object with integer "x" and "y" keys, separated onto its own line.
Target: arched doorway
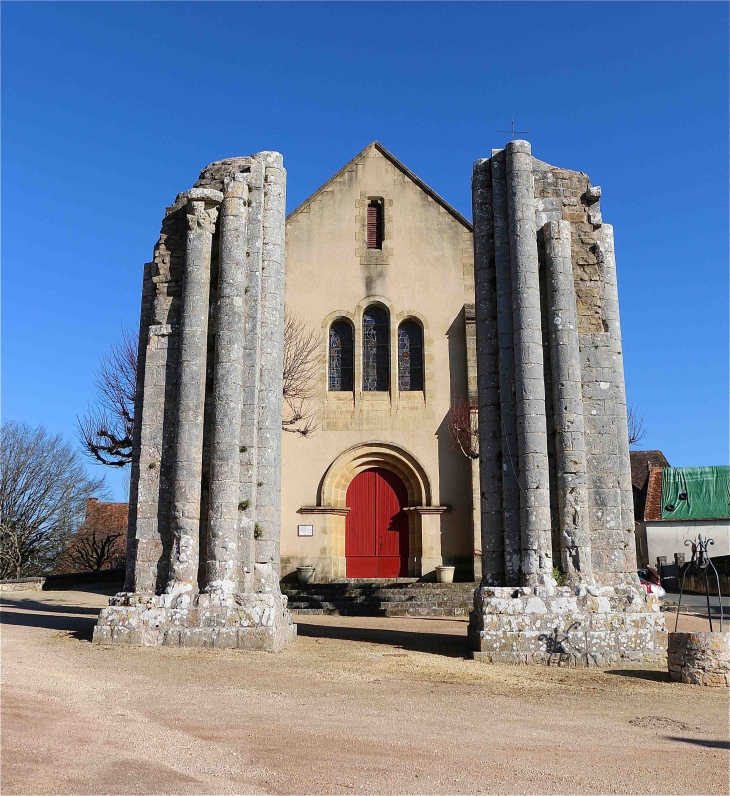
{"x": 376, "y": 529}
{"x": 424, "y": 518}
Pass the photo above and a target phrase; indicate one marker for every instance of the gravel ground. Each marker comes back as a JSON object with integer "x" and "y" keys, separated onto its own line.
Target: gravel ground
{"x": 356, "y": 705}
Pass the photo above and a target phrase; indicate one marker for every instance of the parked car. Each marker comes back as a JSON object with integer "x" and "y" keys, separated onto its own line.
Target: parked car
{"x": 651, "y": 582}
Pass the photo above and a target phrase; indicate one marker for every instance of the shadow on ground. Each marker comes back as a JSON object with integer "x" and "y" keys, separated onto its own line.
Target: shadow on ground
{"x": 655, "y": 675}
{"x": 77, "y": 622}
{"x": 702, "y": 742}
{"x": 447, "y": 644}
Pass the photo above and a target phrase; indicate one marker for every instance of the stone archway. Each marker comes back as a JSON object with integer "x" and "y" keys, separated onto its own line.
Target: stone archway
{"x": 423, "y": 517}
{"x": 347, "y": 465}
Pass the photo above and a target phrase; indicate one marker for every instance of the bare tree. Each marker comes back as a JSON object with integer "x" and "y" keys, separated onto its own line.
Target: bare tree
{"x": 105, "y": 431}
{"x": 637, "y": 432}
{"x": 94, "y": 551}
{"x": 301, "y": 369}
{"x": 463, "y": 425}
{"x": 100, "y": 543}
{"x": 43, "y": 493}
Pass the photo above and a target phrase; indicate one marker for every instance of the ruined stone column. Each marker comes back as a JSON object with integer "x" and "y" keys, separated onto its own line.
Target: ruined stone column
{"x": 132, "y": 577}
{"x": 529, "y": 376}
{"x": 248, "y": 490}
{"x": 557, "y": 317}
{"x": 505, "y": 330}
{"x": 607, "y": 269}
{"x": 197, "y": 444}
{"x": 271, "y": 353}
{"x": 188, "y": 462}
{"x": 490, "y": 432}
{"x": 222, "y": 570}
{"x": 570, "y": 459}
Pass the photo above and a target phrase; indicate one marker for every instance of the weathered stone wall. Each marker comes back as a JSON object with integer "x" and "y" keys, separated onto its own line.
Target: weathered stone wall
{"x": 149, "y": 533}
{"x": 159, "y": 365}
{"x": 562, "y": 195}
{"x": 588, "y": 626}
{"x": 256, "y": 620}
{"x": 22, "y": 584}
{"x": 561, "y": 414}
{"x": 699, "y": 658}
{"x": 553, "y": 433}
{"x": 204, "y": 499}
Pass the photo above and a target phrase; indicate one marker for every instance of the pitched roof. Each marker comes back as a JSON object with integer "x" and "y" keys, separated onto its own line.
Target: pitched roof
{"x": 653, "y": 507}
{"x": 682, "y": 494}
{"x": 397, "y": 163}
{"x": 641, "y": 461}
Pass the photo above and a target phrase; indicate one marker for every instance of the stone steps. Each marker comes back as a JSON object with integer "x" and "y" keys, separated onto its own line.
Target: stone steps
{"x": 385, "y": 598}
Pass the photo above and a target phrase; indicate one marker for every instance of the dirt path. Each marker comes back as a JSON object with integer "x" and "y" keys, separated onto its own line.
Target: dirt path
{"x": 355, "y": 706}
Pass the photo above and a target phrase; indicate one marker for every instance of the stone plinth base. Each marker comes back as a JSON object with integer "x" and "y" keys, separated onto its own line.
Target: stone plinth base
{"x": 250, "y": 621}
{"x": 585, "y": 626}
{"x": 699, "y": 658}
{"x": 22, "y": 584}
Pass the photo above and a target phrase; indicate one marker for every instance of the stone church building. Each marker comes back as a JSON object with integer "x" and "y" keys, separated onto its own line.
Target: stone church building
{"x": 411, "y": 312}
{"x": 382, "y": 268}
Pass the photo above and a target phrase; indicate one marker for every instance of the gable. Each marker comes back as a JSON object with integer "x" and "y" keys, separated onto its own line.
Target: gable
{"x": 423, "y": 267}
{"x": 359, "y": 160}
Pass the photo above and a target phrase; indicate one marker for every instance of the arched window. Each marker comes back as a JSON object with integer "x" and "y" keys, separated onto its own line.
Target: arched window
{"x": 375, "y": 349}
{"x": 341, "y": 357}
{"x": 410, "y": 356}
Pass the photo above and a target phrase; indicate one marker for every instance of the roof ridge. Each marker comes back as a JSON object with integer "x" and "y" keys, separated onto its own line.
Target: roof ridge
{"x": 399, "y": 165}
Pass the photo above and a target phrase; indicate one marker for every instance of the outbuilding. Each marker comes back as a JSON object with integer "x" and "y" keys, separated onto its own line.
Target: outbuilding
{"x": 682, "y": 502}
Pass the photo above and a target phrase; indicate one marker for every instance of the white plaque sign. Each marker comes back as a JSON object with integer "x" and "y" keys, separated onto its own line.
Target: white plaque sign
{"x": 305, "y": 530}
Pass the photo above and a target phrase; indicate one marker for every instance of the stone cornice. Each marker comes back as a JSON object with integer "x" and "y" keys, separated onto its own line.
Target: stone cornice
{"x": 338, "y": 510}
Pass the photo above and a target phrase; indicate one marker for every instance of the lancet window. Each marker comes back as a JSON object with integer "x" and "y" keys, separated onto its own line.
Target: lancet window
{"x": 410, "y": 356}
{"x": 375, "y": 349}
{"x": 341, "y": 371}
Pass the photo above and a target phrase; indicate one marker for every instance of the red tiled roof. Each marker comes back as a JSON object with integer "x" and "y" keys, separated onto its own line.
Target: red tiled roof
{"x": 641, "y": 461}
{"x": 653, "y": 507}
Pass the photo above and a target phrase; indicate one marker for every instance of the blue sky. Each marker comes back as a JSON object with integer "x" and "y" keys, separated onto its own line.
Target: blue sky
{"x": 110, "y": 109}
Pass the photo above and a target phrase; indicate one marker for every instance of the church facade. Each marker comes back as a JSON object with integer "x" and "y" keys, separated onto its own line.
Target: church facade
{"x": 411, "y": 313}
{"x": 381, "y": 268}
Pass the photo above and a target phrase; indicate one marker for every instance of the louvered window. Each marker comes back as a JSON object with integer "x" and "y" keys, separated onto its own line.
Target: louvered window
{"x": 341, "y": 357}
{"x": 375, "y": 349}
{"x": 375, "y": 224}
{"x": 410, "y": 356}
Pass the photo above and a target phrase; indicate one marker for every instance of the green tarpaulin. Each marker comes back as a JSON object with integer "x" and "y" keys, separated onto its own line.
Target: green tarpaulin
{"x": 695, "y": 493}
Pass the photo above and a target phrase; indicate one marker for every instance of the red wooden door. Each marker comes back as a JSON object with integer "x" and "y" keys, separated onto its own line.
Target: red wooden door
{"x": 376, "y": 530}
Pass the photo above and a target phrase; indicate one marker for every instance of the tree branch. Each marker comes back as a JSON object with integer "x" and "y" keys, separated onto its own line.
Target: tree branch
{"x": 463, "y": 428}
{"x": 637, "y": 432}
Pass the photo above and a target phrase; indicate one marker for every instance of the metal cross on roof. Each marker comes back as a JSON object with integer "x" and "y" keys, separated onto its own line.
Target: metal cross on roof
{"x": 513, "y": 131}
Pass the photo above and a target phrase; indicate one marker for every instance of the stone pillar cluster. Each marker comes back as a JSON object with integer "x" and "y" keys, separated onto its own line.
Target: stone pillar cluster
{"x": 203, "y": 542}
{"x": 555, "y": 473}
{"x": 191, "y": 377}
